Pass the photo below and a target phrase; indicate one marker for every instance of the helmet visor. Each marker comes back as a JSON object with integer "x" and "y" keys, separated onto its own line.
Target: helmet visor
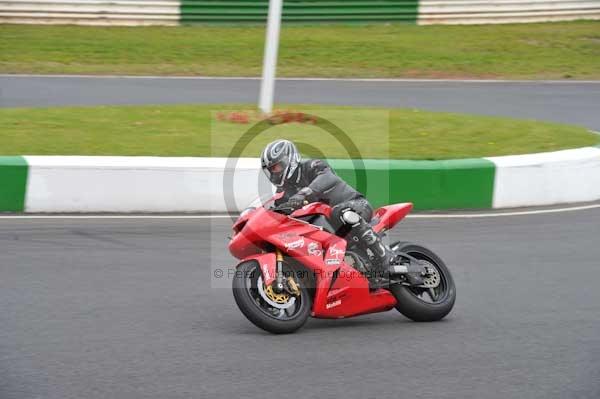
{"x": 276, "y": 168}
{"x": 274, "y": 173}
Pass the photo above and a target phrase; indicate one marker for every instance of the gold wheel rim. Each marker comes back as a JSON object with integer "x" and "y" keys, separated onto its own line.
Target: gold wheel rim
{"x": 281, "y": 298}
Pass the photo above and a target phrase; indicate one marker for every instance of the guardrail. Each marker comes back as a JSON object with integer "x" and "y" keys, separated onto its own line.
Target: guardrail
{"x": 90, "y": 12}
{"x": 505, "y": 11}
{"x": 175, "y": 12}
{"x": 300, "y": 11}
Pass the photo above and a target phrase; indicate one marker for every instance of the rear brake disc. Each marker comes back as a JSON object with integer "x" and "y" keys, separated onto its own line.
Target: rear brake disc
{"x": 432, "y": 279}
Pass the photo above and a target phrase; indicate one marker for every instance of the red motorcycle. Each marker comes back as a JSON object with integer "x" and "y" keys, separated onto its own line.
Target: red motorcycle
{"x": 293, "y": 266}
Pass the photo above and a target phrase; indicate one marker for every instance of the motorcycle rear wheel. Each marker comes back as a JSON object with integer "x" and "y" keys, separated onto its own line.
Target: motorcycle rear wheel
{"x": 425, "y": 304}
{"x": 249, "y": 294}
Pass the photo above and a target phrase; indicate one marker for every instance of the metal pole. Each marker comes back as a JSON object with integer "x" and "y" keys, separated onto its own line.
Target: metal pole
{"x": 267, "y": 87}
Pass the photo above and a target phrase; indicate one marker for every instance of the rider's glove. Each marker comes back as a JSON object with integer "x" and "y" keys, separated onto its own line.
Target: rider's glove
{"x": 296, "y": 201}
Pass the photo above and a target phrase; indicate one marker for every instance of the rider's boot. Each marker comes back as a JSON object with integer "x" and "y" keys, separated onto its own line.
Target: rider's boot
{"x": 384, "y": 258}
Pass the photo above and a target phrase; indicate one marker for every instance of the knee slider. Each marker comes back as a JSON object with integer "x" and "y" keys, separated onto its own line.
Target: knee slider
{"x": 350, "y": 217}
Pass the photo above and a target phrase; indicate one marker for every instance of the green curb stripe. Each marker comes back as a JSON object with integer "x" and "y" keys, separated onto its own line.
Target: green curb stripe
{"x": 302, "y": 11}
{"x": 452, "y": 184}
{"x": 13, "y": 183}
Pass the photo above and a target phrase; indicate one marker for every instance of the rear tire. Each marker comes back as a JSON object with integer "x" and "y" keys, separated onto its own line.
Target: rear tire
{"x": 409, "y": 303}
{"x": 250, "y": 304}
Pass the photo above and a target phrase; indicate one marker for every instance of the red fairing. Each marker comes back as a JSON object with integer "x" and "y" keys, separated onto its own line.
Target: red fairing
{"x": 340, "y": 290}
{"x": 244, "y": 241}
{"x": 268, "y": 266}
{"x": 239, "y": 223}
{"x": 389, "y": 216}
{"x": 313, "y": 208}
{"x": 345, "y": 293}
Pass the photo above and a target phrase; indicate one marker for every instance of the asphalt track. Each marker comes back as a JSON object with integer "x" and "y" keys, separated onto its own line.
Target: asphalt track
{"x": 127, "y": 308}
{"x": 568, "y": 102}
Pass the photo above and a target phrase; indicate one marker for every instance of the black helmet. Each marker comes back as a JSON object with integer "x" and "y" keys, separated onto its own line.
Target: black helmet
{"x": 279, "y": 161}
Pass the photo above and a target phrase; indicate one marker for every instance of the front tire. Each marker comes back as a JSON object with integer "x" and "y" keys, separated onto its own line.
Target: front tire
{"x": 412, "y": 301}
{"x": 249, "y": 294}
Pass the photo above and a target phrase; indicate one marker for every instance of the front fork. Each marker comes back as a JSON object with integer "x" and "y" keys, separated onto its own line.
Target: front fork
{"x": 282, "y": 283}
{"x": 279, "y": 268}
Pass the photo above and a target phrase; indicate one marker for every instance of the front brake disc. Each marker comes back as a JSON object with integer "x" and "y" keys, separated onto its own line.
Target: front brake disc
{"x": 263, "y": 294}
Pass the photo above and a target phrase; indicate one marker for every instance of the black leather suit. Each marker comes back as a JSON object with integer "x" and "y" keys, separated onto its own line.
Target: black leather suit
{"x": 328, "y": 188}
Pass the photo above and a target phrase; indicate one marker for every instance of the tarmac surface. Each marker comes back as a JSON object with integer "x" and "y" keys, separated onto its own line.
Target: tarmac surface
{"x": 127, "y": 308}
{"x": 567, "y": 102}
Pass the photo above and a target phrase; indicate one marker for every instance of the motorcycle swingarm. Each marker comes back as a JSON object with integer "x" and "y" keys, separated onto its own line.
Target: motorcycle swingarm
{"x": 412, "y": 259}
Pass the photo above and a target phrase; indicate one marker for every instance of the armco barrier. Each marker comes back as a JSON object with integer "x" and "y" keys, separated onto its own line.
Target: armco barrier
{"x": 156, "y": 184}
{"x": 91, "y": 12}
{"x": 505, "y": 11}
{"x": 174, "y": 12}
{"x": 300, "y": 11}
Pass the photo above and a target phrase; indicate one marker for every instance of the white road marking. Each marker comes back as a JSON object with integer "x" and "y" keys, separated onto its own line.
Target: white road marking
{"x": 139, "y": 216}
{"x": 499, "y": 214}
{"x": 415, "y": 216}
{"x": 400, "y": 80}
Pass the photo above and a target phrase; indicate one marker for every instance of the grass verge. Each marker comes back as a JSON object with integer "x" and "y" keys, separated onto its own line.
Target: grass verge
{"x": 527, "y": 51}
{"x": 194, "y": 130}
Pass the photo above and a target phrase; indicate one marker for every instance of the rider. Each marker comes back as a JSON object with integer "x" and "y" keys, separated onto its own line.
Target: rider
{"x": 313, "y": 180}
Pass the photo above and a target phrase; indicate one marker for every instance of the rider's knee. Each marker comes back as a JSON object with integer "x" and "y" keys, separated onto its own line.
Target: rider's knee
{"x": 350, "y": 217}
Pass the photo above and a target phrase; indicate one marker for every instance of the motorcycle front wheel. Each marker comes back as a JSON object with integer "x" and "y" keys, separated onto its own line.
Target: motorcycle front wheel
{"x": 277, "y": 313}
{"x": 424, "y": 304}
